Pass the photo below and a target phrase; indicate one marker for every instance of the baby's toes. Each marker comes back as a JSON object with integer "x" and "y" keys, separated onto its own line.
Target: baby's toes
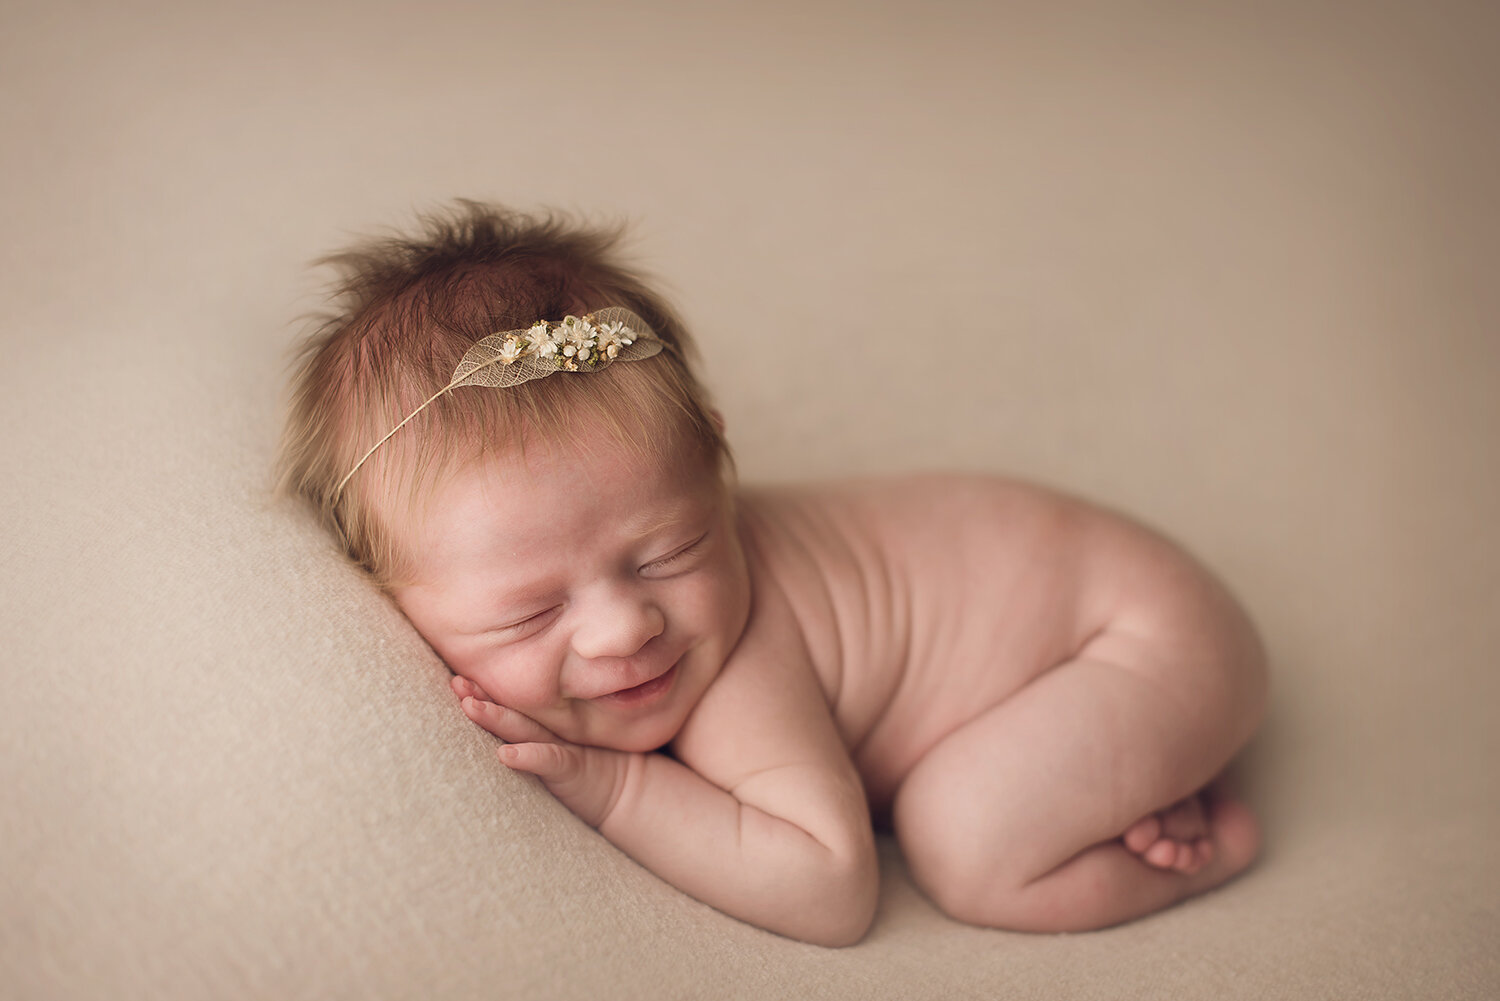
{"x": 1185, "y": 821}
{"x": 1194, "y": 855}
{"x": 1163, "y": 854}
{"x": 1142, "y": 834}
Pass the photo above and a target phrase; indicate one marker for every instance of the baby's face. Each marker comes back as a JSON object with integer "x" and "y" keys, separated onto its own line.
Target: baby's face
{"x": 596, "y": 592}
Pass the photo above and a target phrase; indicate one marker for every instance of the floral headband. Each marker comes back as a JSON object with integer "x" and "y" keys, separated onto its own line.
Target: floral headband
{"x": 585, "y": 343}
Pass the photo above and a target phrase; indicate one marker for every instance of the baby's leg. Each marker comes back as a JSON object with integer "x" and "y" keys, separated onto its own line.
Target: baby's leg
{"x": 1017, "y": 819}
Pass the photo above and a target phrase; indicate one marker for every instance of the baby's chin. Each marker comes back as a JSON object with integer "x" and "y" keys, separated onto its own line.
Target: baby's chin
{"x": 645, "y": 746}
{"x": 643, "y": 737}
{"x": 643, "y": 734}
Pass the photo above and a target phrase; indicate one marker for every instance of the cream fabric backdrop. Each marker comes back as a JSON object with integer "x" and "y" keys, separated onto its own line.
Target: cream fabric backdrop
{"x": 1229, "y": 267}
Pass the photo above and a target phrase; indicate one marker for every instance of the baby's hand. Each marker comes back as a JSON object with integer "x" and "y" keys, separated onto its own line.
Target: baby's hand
{"x": 587, "y": 780}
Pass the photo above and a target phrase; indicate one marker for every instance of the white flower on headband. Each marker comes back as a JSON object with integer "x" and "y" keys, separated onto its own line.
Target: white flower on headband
{"x": 580, "y": 341}
{"x": 510, "y": 349}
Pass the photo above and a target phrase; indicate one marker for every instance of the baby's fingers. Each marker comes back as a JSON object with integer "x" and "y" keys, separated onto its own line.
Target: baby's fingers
{"x": 464, "y": 688}
{"x": 549, "y": 762}
{"x": 507, "y": 724}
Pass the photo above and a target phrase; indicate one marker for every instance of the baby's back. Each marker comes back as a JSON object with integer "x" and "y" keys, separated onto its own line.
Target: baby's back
{"x": 926, "y": 600}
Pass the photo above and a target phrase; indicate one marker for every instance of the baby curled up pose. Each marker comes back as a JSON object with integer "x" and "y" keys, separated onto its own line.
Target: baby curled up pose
{"x": 735, "y": 685}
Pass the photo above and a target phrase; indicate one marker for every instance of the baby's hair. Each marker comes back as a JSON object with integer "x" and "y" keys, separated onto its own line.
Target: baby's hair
{"x": 404, "y": 311}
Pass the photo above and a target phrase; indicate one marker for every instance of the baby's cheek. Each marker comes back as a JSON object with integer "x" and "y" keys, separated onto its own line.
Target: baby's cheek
{"x": 727, "y": 604}
{"x": 516, "y": 682}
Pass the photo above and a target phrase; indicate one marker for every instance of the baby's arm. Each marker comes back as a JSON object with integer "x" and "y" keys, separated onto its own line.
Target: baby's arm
{"x": 772, "y": 819}
{"x": 770, "y": 822}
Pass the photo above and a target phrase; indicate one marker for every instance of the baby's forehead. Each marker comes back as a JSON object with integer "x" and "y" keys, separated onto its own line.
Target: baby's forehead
{"x": 538, "y": 460}
{"x": 534, "y": 509}
{"x": 632, "y": 482}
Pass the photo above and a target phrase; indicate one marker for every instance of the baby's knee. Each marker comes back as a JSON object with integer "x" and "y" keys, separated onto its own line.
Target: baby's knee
{"x": 960, "y": 901}
{"x": 959, "y": 866}
{"x": 950, "y": 879}
{"x": 969, "y": 888}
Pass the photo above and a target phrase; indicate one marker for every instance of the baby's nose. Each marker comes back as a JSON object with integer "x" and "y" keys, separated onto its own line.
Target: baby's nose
{"x": 617, "y": 627}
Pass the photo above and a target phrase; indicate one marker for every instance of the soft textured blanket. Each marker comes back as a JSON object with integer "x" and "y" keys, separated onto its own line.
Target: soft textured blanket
{"x": 1228, "y": 267}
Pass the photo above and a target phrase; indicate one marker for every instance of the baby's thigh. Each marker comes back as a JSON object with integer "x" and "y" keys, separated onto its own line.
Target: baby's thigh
{"x": 1147, "y": 713}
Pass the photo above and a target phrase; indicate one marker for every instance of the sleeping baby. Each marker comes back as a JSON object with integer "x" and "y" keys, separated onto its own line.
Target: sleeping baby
{"x": 737, "y": 686}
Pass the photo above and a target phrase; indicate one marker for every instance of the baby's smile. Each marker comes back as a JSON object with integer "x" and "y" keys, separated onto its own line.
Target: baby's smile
{"x": 596, "y": 589}
{"x": 614, "y": 682}
{"x": 646, "y": 693}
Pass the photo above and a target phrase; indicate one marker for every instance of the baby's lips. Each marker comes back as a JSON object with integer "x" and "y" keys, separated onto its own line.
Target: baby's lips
{"x": 640, "y": 678}
{"x": 627, "y": 689}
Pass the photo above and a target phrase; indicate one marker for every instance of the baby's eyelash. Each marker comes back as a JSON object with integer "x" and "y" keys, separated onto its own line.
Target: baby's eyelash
{"x": 520, "y": 624}
{"x": 672, "y": 558}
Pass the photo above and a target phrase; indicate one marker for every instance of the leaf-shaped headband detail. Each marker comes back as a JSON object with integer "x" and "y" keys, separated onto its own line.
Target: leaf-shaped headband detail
{"x": 585, "y": 343}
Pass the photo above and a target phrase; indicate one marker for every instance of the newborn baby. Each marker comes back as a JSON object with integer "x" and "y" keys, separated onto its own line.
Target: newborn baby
{"x": 736, "y": 685}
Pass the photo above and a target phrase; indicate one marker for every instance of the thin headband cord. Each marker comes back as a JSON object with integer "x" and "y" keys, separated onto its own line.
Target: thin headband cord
{"x": 585, "y": 343}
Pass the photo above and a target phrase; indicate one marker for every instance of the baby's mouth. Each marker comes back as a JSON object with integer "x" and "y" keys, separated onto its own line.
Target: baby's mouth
{"x": 646, "y": 691}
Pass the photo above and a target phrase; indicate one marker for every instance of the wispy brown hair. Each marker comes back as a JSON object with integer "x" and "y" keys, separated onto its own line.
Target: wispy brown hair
{"x": 401, "y": 315}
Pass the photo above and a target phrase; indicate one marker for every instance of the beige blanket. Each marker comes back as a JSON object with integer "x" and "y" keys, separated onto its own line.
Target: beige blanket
{"x": 1228, "y": 267}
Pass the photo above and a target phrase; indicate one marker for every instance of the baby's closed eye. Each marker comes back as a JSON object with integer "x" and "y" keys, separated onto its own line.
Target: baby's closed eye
{"x": 526, "y": 625}
{"x": 677, "y": 560}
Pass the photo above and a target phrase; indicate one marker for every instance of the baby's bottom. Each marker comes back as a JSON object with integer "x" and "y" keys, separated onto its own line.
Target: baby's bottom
{"x": 1080, "y": 802}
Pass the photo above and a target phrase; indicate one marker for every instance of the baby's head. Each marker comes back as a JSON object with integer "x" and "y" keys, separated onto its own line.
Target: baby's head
{"x": 408, "y": 308}
{"x": 503, "y": 521}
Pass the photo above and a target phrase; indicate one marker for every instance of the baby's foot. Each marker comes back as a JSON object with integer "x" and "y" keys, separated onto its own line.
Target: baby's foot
{"x": 1178, "y": 837}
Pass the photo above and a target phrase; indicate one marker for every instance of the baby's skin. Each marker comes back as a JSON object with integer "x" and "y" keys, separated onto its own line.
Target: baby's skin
{"x": 1036, "y": 695}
